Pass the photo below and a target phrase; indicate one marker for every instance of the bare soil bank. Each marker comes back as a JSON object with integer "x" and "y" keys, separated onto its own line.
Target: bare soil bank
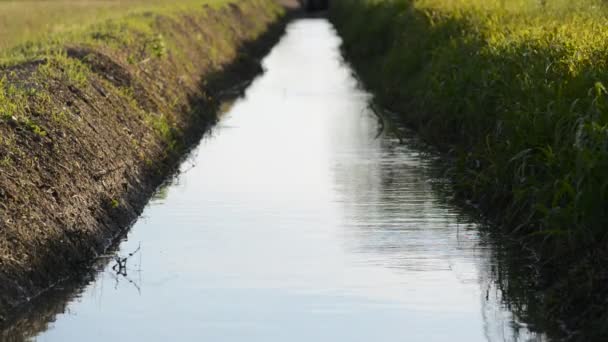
{"x": 88, "y": 134}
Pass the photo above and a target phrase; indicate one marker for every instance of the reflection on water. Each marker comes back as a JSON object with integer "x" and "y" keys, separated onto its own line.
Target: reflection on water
{"x": 293, "y": 222}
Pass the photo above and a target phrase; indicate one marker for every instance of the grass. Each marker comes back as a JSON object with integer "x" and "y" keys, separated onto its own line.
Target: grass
{"x": 41, "y": 30}
{"x": 38, "y": 20}
{"x": 12, "y": 100}
{"x": 39, "y": 33}
{"x": 516, "y": 92}
{"x": 30, "y": 29}
{"x": 35, "y": 37}
{"x": 60, "y": 66}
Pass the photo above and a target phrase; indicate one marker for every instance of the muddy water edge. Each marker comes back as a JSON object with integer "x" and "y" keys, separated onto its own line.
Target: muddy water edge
{"x": 81, "y": 156}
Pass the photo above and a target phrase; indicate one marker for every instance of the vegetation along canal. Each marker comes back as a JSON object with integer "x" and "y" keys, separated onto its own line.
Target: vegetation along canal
{"x": 294, "y": 220}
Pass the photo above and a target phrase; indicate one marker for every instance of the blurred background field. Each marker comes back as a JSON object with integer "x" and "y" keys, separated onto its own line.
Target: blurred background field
{"x": 509, "y": 5}
{"x": 34, "y": 20}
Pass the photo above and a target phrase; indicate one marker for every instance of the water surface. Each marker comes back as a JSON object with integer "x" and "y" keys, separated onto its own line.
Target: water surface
{"x": 295, "y": 221}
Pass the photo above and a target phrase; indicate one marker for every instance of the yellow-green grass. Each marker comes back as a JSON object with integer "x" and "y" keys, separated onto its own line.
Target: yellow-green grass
{"x": 516, "y": 92}
{"x": 137, "y": 28}
{"x": 524, "y": 82}
{"x": 134, "y": 27}
{"x": 43, "y": 22}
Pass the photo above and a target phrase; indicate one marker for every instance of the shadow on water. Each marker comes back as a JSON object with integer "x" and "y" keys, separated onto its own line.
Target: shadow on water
{"x": 35, "y": 317}
{"x": 379, "y": 241}
{"x": 408, "y": 180}
{"x": 512, "y": 276}
{"x": 415, "y": 74}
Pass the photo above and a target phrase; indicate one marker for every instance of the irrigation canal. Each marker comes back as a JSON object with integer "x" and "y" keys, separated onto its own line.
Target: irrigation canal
{"x": 294, "y": 220}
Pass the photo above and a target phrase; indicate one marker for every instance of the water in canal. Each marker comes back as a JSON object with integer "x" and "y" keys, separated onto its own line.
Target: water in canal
{"x": 294, "y": 221}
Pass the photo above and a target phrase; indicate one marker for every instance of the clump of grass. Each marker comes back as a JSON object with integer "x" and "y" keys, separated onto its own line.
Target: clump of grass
{"x": 34, "y": 127}
{"x": 167, "y": 130}
{"x": 6, "y": 161}
{"x": 515, "y": 90}
{"x": 59, "y": 66}
{"x": 19, "y": 102}
{"x": 12, "y": 101}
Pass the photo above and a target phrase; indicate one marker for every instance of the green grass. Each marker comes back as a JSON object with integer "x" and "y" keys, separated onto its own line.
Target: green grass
{"x": 35, "y": 37}
{"x": 34, "y": 29}
{"x": 39, "y": 20}
{"x": 41, "y": 30}
{"x": 516, "y": 92}
{"x": 12, "y": 100}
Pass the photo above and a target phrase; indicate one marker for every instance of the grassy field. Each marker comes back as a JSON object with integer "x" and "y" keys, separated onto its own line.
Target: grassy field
{"x": 23, "y": 20}
{"x": 40, "y": 23}
{"x": 516, "y": 92}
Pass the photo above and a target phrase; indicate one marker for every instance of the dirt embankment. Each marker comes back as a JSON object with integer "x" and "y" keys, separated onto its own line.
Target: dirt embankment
{"x": 89, "y": 132}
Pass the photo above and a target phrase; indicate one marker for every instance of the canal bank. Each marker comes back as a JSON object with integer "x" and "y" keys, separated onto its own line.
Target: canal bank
{"x": 512, "y": 94}
{"x": 91, "y": 128}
